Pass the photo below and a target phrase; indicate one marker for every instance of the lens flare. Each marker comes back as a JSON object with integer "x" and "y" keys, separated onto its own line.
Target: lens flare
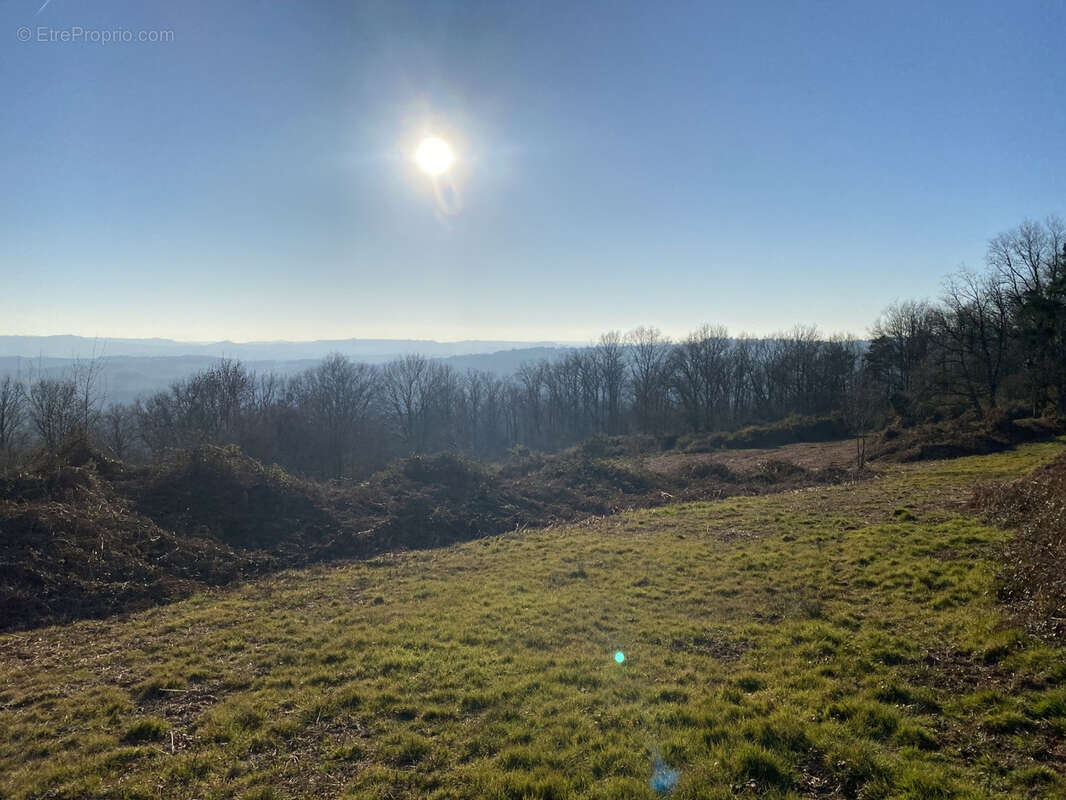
{"x": 620, "y": 657}
{"x": 663, "y": 777}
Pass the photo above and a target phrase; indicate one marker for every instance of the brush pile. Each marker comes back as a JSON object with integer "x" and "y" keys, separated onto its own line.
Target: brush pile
{"x": 1033, "y": 579}
{"x": 72, "y": 546}
{"x": 961, "y": 437}
{"x": 82, "y": 535}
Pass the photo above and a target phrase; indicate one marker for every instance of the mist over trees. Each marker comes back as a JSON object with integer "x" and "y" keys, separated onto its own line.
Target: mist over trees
{"x": 995, "y": 341}
{"x": 346, "y": 419}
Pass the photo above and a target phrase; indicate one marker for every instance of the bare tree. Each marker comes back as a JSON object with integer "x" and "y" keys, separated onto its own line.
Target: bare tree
{"x": 528, "y": 402}
{"x": 116, "y": 427}
{"x": 973, "y": 332}
{"x": 700, "y": 374}
{"x": 85, "y": 374}
{"x": 12, "y": 412}
{"x": 648, "y": 370}
{"x": 54, "y": 410}
{"x": 479, "y": 412}
{"x": 860, "y": 412}
{"x": 1026, "y": 260}
{"x": 1029, "y": 263}
{"x": 610, "y": 363}
{"x": 409, "y": 385}
{"x": 157, "y": 422}
{"x": 211, "y": 405}
{"x": 492, "y": 416}
{"x": 336, "y": 397}
{"x": 899, "y": 342}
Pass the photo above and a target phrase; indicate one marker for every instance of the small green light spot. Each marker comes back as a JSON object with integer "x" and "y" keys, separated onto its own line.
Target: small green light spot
{"x": 619, "y": 656}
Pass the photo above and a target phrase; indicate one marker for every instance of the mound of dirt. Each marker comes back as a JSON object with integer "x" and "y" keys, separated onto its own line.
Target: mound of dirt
{"x": 1032, "y": 578}
{"x": 960, "y": 437}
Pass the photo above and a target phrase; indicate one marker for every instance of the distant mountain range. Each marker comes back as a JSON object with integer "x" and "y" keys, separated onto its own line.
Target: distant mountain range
{"x": 132, "y": 368}
{"x": 369, "y": 350}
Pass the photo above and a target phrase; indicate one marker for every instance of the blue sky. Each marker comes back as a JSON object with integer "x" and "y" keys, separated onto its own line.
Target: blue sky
{"x": 751, "y": 164}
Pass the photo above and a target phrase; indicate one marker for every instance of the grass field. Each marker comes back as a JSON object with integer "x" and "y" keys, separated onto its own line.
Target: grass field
{"x": 835, "y": 642}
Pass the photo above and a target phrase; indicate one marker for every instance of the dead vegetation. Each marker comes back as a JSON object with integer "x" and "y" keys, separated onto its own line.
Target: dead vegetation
{"x": 1032, "y": 578}
{"x": 961, "y": 437}
{"x": 813, "y": 456}
{"x": 789, "y": 430}
{"x": 87, "y": 536}
{"x": 74, "y": 546}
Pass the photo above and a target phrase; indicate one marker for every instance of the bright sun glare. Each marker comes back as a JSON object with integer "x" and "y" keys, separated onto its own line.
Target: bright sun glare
{"x": 434, "y": 156}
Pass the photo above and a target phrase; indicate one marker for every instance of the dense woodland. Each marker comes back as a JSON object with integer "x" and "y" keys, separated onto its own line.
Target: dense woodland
{"x": 994, "y": 342}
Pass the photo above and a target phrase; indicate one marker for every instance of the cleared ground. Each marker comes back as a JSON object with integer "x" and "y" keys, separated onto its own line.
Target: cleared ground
{"x": 828, "y": 642}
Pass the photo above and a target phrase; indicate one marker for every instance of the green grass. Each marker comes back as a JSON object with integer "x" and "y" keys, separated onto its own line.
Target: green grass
{"x": 818, "y": 643}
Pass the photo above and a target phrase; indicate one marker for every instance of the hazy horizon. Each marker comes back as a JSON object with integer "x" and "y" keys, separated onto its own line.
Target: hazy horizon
{"x": 280, "y": 340}
{"x": 592, "y": 338}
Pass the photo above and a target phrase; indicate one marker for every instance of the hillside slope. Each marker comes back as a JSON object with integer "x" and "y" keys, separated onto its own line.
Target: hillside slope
{"x": 82, "y": 535}
{"x": 830, "y": 642}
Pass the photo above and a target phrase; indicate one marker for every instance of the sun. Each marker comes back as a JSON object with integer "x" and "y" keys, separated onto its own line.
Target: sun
{"x": 434, "y": 156}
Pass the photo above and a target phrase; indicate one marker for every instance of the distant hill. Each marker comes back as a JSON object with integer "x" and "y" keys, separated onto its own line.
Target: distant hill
{"x": 369, "y": 350}
{"x": 504, "y": 362}
{"x": 125, "y": 377}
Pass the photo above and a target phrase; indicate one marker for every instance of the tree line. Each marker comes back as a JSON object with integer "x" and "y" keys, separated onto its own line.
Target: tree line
{"x": 995, "y": 340}
{"x": 342, "y": 418}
